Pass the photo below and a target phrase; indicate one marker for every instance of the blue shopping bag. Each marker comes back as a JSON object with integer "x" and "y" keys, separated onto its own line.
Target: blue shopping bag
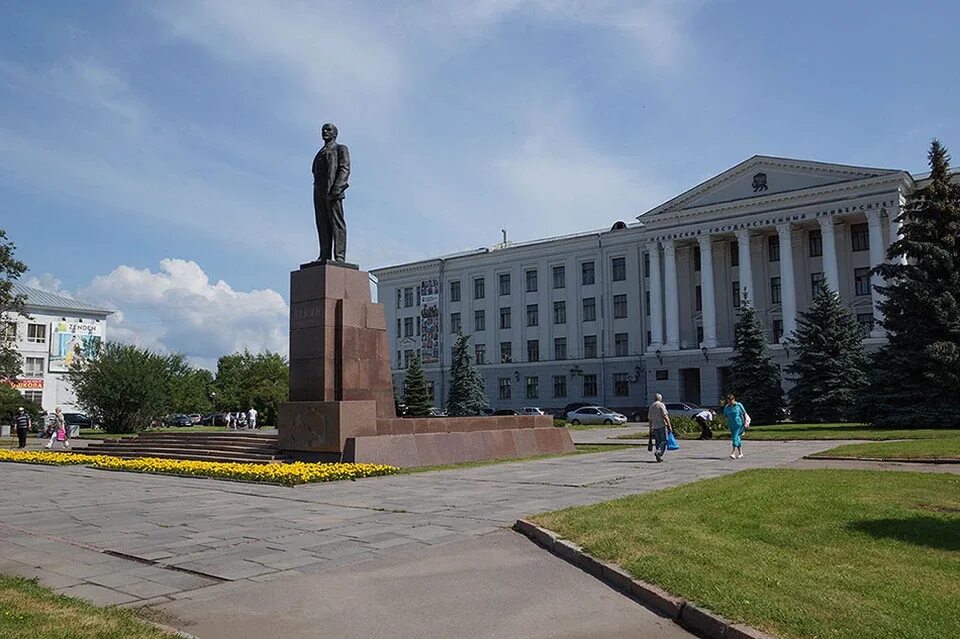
{"x": 672, "y": 442}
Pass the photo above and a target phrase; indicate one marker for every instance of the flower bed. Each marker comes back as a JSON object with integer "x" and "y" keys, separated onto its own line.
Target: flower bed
{"x": 285, "y": 474}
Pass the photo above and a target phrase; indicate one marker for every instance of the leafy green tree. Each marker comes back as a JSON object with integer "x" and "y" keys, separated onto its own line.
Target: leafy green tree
{"x": 919, "y": 377}
{"x": 830, "y": 369}
{"x": 127, "y": 387}
{"x": 11, "y": 306}
{"x": 416, "y": 394}
{"x": 189, "y": 387}
{"x": 11, "y": 400}
{"x": 260, "y": 380}
{"x": 754, "y": 378}
{"x": 467, "y": 396}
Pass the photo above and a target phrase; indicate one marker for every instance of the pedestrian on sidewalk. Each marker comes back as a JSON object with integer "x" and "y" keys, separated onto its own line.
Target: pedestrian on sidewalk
{"x": 23, "y": 423}
{"x": 60, "y": 432}
{"x": 229, "y": 420}
{"x": 659, "y": 420}
{"x": 737, "y": 420}
{"x": 704, "y": 420}
{"x": 241, "y": 420}
{"x": 252, "y": 417}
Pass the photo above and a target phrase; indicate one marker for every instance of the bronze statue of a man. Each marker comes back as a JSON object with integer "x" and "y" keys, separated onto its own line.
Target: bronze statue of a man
{"x": 331, "y": 168}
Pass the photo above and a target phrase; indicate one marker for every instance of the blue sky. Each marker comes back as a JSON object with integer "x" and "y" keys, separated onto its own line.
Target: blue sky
{"x": 156, "y": 156}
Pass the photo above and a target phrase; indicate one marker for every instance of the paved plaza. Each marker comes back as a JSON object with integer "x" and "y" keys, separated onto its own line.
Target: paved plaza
{"x": 216, "y": 557}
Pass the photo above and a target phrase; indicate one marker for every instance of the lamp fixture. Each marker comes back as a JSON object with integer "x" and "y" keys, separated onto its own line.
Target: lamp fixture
{"x": 703, "y": 349}
{"x": 516, "y": 375}
{"x": 659, "y": 356}
{"x": 637, "y": 374}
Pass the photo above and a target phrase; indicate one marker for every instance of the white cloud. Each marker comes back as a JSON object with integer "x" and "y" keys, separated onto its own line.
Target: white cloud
{"x": 178, "y": 309}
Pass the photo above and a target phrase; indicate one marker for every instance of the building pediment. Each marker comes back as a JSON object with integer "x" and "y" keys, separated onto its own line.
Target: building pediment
{"x": 762, "y": 176}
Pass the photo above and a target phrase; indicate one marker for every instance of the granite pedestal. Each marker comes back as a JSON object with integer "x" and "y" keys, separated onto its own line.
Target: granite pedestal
{"x": 341, "y": 390}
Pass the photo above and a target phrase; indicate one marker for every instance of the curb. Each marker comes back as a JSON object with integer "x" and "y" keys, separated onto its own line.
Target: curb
{"x": 893, "y": 460}
{"x": 689, "y": 615}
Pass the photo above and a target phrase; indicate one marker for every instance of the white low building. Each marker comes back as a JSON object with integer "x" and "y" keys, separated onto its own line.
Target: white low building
{"x": 55, "y": 331}
{"x": 612, "y": 316}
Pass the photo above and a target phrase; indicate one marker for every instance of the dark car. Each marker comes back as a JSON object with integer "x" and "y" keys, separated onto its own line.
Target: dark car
{"x": 569, "y": 408}
{"x": 505, "y": 411}
{"x": 213, "y": 419}
{"x": 178, "y": 420}
{"x": 77, "y": 419}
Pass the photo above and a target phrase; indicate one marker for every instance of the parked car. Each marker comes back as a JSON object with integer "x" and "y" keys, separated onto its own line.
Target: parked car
{"x": 177, "y": 420}
{"x": 437, "y": 412}
{"x": 595, "y": 415}
{"x": 486, "y": 412}
{"x": 531, "y": 410}
{"x": 685, "y": 409}
{"x": 195, "y": 418}
{"x": 213, "y": 419}
{"x": 505, "y": 411}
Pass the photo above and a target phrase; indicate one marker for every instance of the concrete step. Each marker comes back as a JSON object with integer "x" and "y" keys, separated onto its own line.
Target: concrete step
{"x": 198, "y": 452}
{"x": 227, "y": 445}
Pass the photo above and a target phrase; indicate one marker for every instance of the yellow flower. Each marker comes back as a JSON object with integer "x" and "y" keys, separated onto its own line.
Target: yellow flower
{"x": 288, "y": 474}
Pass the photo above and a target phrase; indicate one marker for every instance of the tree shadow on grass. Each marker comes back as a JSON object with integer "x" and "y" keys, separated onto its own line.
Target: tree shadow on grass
{"x": 932, "y": 532}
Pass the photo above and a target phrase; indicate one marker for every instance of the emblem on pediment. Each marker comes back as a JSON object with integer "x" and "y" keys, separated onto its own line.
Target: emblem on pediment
{"x": 759, "y": 182}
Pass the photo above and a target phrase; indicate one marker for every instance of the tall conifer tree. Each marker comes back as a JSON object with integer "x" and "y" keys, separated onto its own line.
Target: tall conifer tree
{"x": 830, "y": 368}
{"x": 416, "y": 393}
{"x": 918, "y": 371}
{"x": 754, "y": 378}
{"x": 467, "y": 396}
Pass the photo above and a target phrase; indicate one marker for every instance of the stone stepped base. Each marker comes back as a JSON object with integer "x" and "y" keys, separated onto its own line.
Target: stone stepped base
{"x": 221, "y": 447}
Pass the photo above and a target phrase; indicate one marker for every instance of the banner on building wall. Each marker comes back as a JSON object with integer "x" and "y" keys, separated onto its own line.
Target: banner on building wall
{"x": 72, "y": 342}
{"x": 26, "y": 384}
{"x": 430, "y": 321}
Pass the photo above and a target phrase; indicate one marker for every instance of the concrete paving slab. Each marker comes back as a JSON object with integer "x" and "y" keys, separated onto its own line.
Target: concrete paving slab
{"x": 499, "y": 585}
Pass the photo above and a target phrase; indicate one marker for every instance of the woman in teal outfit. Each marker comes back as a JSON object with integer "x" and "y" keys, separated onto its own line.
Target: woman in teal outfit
{"x": 737, "y": 420}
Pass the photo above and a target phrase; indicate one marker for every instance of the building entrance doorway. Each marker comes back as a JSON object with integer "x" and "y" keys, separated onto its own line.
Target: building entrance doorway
{"x": 690, "y": 385}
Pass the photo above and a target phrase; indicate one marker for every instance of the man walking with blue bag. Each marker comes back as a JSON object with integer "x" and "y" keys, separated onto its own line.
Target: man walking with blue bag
{"x": 659, "y": 420}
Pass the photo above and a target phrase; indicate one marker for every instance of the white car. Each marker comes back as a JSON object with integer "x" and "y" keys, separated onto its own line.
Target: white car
{"x": 684, "y": 409}
{"x": 531, "y": 410}
{"x": 595, "y": 415}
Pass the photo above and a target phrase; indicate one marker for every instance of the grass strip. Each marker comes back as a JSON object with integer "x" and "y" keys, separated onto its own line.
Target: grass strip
{"x": 30, "y": 611}
{"x": 797, "y": 553}
{"x": 788, "y": 431}
{"x": 921, "y": 449}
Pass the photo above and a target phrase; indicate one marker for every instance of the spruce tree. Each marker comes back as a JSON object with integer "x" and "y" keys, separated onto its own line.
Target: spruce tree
{"x": 467, "y": 396}
{"x": 830, "y": 369}
{"x": 919, "y": 372}
{"x": 754, "y": 378}
{"x": 416, "y": 394}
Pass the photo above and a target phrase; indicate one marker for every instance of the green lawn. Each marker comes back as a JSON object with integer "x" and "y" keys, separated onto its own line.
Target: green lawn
{"x": 581, "y": 449}
{"x": 934, "y": 449}
{"x": 797, "y": 553}
{"x": 787, "y": 431}
{"x": 29, "y": 611}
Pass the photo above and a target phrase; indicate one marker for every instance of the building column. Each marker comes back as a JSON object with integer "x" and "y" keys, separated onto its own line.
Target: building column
{"x": 707, "y": 295}
{"x": 895, "y": 224}
{"x": 656, "y": 297}
{"x": 746, "y": 269}
{"x": 671, "y": 296}
{"x": 788, "y": 283}
{"x": 876, "y": 257}
{"x": 829, "y": 241}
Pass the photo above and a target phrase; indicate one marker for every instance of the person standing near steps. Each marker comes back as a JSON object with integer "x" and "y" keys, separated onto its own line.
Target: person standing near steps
{"x": 737, "y": 420}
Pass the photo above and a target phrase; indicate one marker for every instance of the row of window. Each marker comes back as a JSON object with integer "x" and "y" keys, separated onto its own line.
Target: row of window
{"x": 621, "y": 348}
{"x": 533, "y": 314}
{"x": 532, "y": 281}
{"x": 621, "y": 386}
{"x": 36, "y": 333}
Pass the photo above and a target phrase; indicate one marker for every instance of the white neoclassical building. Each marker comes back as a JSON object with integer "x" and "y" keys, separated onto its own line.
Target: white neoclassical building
{"x": 613, "y": 316}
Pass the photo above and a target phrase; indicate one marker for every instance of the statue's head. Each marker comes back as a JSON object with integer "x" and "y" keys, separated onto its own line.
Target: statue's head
{"x": 329, "y": 132}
